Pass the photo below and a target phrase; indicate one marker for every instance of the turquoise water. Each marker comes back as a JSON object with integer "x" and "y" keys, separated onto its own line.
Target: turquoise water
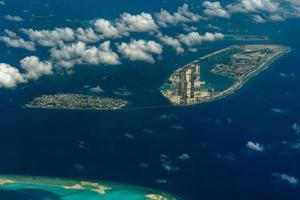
{"x": 218, "y": 82}
{"x": 212, "y": 80}
{"x": 214, "y": 135}
{"x": 32, "y": 188}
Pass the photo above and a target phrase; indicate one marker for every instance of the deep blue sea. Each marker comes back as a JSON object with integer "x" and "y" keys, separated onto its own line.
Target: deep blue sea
{"x": 214, "y": 135}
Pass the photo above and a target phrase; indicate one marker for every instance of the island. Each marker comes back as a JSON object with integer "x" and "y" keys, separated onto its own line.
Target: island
{"x": 249, "y": 38}
{"x": 76, "y": 101}
{"x": 220, "y": 73}
{"x": 33, "y": 188}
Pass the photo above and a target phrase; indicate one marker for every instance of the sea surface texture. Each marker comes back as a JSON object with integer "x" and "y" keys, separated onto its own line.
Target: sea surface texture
{"x": 242, "y": 147}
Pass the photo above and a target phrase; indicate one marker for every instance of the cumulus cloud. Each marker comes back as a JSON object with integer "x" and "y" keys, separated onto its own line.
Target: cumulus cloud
{"x": 167, "y": 163}
{"x": 173, "y": 42}
{"x": 140, "y": 50}
{"x": 107, "y": 29}
{"x": 258, "y": 19}
{"x": 295, "y": 6}
{"x": 246, "y": 6}
{"x": 287, "y": 178}
{"x": 260, "y": 5}
{"x": 35, "y": 68}
{"x": 79, "y": 53}
{"x": 296, "y": 127}
{"x": 13, "y": 18}
{"x": 136, "y": 23}
{"x": 278, "y": 110}
{"x": 277, "y": 11}
{"x": 10, "y": 76}
{"x": 187, "y": 28}
{"x": 125, "y": 24}
{"x": 211, "y": 26}
{"x": 50, "y": 38}
{"x": 96, "y": 89}
{"x": 267, "y": 10}
{"x": 183, "y": 15}
{"x": 184, "y": 157}
{"x": 255, "y": 146}
{"x": 87, "y": 35}
{"x": 215, "y": 9}
{"x": 194, "y": 38}
{"x": 276, "y": 17}
{"x": 12, "y": 40}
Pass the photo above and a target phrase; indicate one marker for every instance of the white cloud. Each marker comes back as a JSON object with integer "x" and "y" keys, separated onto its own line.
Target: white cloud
{"x": 255, "y": 146}
{"x": 50, "y": 38}
{"x": 2, "y": 3}
{"x": 10, "y": 76}
{"x": 267, "y": 10}
{"x": 96, "y": 89}
{"x": 35, "y": 68}
{"x": 136, "y": 23}
{"x": 258, "y": 19}
{"x": 87, "y": 35}
{"x": 189, "y": 28}
{"x": 107, "y": 29}
{"x": 79, "y": 53}
{"x": 173, "y": 42}
{"x": 183, "y": 15}
{"x": 295, "y": 7}
{"x": 184, "y": 157}
{"x": 140, "y": 50}
{"x": 13, "y": 18}
{"x": 215, "y": 9}
{"x": 12, "y": 40}
{"x": 193, "y": 50}
{"x": 246, "y": 6}
{"x": 287, "y": 178}
{"x": 277, "y": 110}
{"x": 167, "y": 163}
{"x": 235, "y": 8}
{"x": 257, "y": 5}
{"x": 211, "y": 26}
{"x": 194, "y": 38}
{"x": 296, "y": 127}
{"x": 276, "y": 18}
{"x": 125, "y": 24}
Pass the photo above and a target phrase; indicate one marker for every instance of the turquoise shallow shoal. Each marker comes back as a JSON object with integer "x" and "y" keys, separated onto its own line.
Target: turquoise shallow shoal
{"x": 38, "y": 188}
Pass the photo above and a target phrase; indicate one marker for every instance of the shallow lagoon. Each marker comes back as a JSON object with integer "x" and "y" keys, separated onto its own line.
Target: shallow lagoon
{"x": 36, "y": 142}
{"x": 218, "y": 82}
{"x": 38, "y": 188}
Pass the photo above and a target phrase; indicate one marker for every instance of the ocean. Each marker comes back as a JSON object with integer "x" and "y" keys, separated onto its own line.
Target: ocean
{"x": 145, "y": 146}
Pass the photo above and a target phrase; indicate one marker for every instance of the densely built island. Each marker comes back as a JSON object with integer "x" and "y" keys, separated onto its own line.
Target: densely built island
{"x": 219, "y": 74}
{"x": 76, "y": 101}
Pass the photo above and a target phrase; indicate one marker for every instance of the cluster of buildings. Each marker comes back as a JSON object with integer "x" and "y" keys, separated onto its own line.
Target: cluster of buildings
{"x": 241, "y": 64}
{"x": 76, "y": 101}
{"x": 238, "y": 62}
{"x": 186, "y": 85}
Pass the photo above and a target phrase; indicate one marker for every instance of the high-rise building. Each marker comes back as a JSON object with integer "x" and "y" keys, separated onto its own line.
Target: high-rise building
{"x": 186, "y": 84}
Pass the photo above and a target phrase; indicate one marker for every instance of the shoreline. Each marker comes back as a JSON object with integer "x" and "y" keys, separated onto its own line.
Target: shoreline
{"x": 67, "y": 183}
{"x": 66, "y": 108}
{"x": 69, "y": 101}
{"x": 217, "y": 52}
{"x": 239, "y": 83}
